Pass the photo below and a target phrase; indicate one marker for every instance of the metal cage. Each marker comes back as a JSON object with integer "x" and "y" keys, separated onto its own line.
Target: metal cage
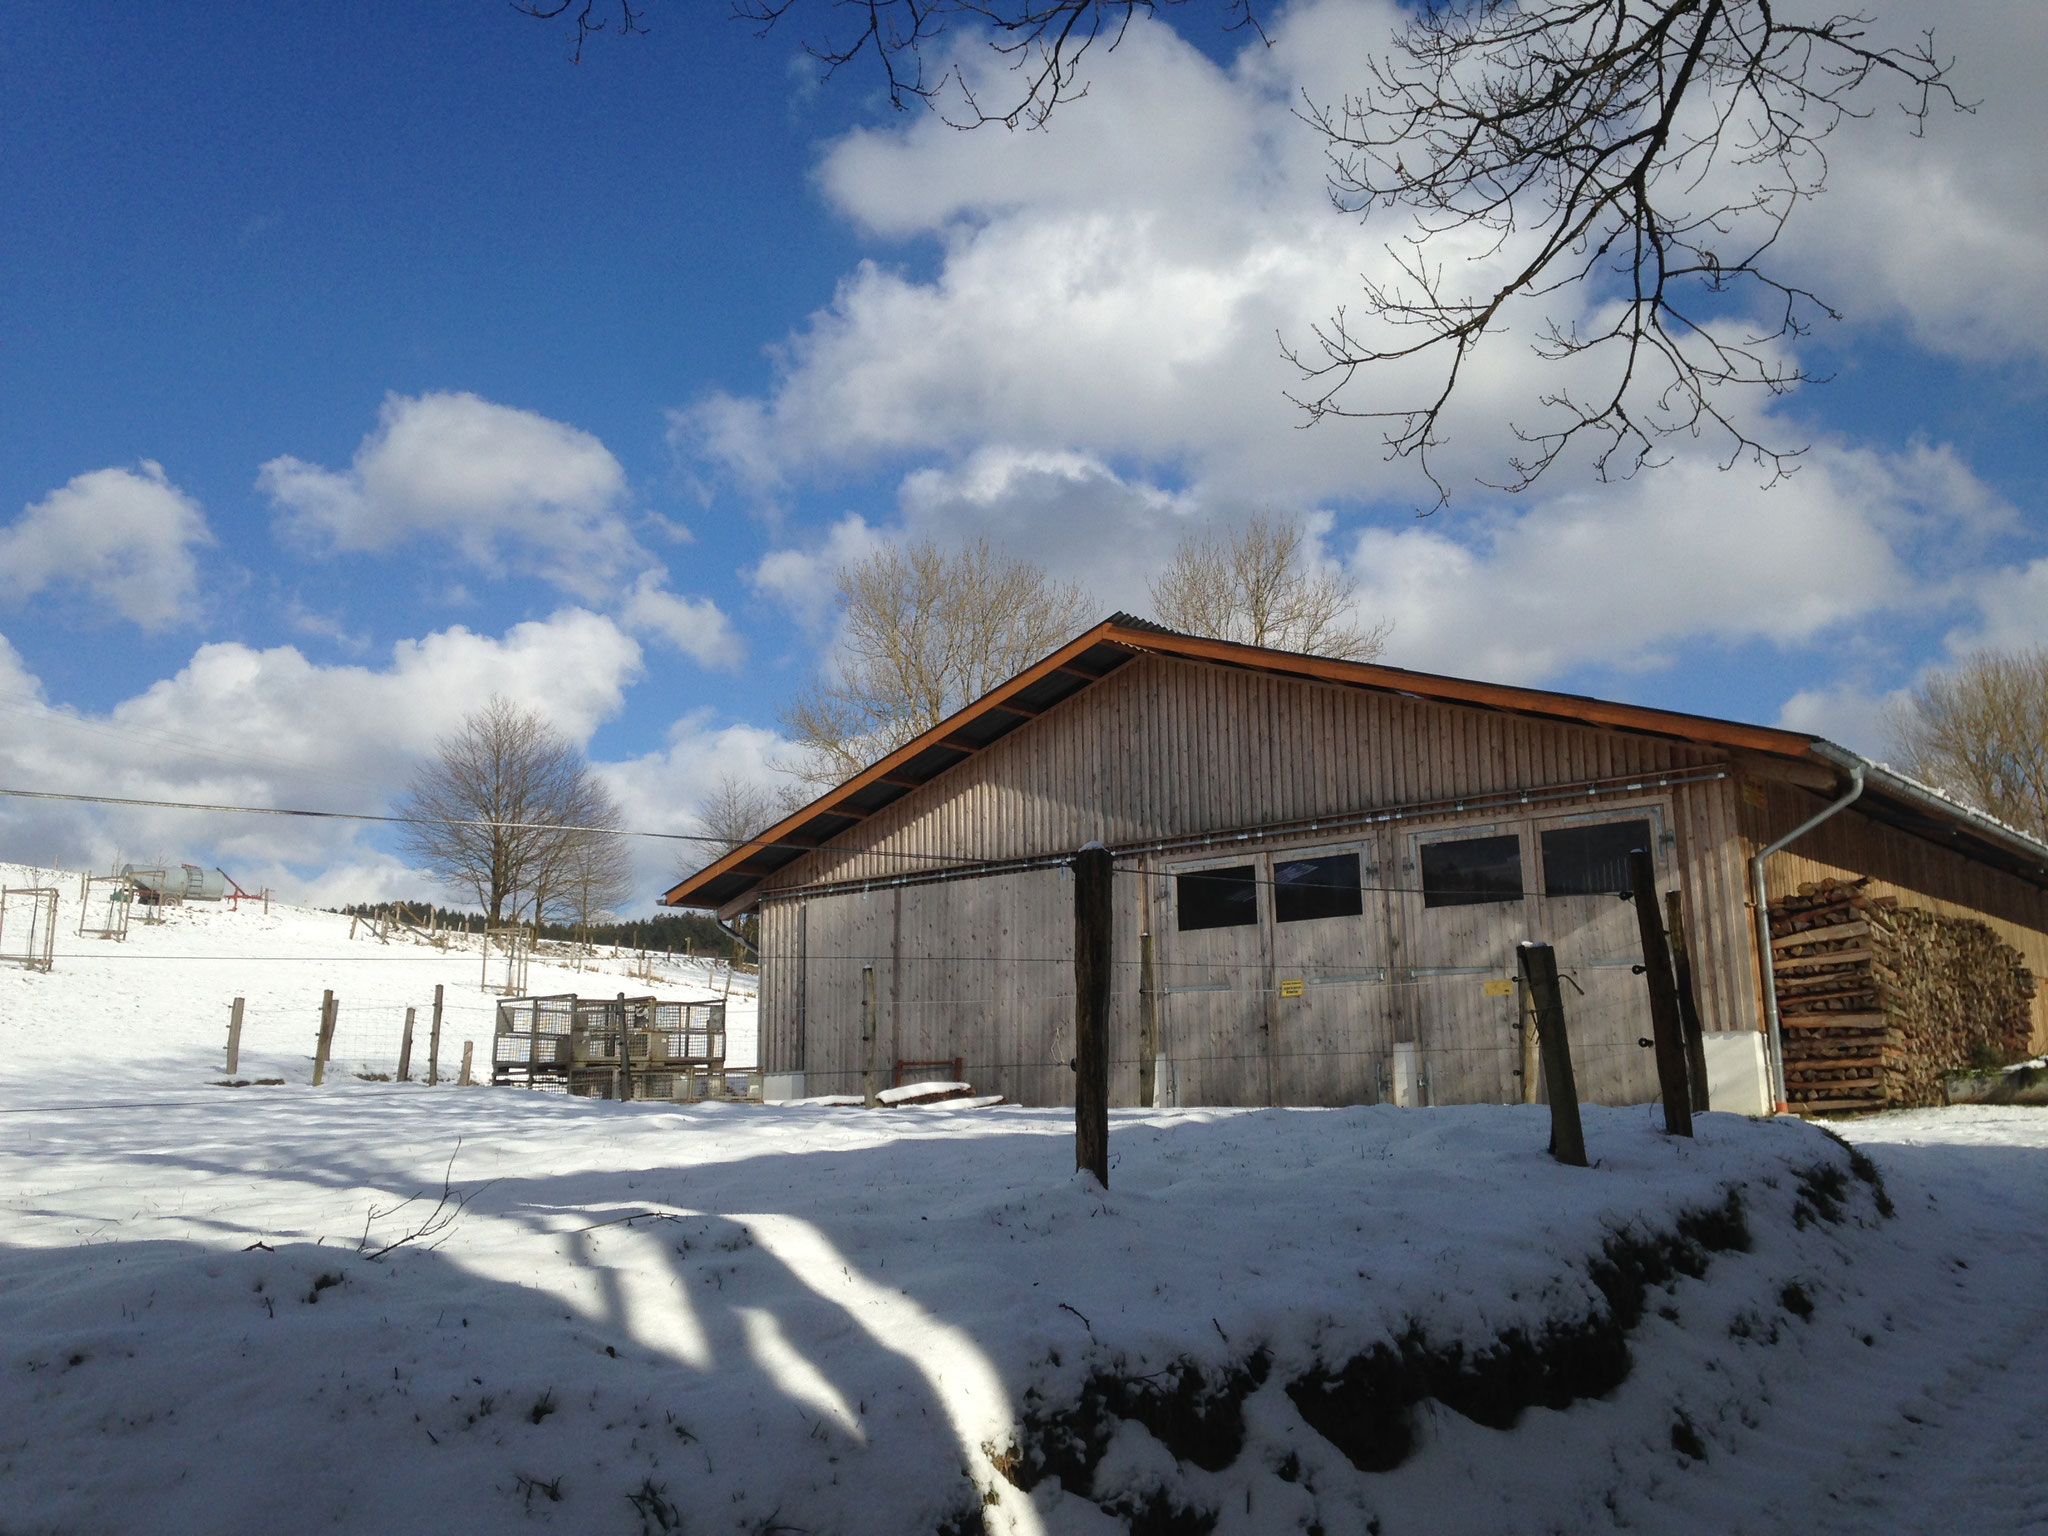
{"x": 571, "y": 1044}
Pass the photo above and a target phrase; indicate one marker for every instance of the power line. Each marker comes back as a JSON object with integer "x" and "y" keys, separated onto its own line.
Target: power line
{"x": 420, "y": 821}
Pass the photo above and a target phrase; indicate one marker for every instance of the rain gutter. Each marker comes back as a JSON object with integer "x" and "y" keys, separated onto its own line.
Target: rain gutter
{"x": 1857, "y": 768}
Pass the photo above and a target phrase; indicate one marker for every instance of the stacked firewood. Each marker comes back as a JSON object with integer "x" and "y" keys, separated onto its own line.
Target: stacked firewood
{"x": 1879, "y": 1002}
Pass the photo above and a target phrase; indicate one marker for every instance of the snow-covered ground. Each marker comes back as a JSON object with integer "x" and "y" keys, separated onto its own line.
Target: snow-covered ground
{"x": 738, "y": 1318}
{"x": 156, "y": 1004}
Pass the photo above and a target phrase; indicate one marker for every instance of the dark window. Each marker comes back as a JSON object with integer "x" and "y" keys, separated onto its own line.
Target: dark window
{"x": 1217, "y": 898}
{"x": 1472, "y": 870}
{"x": 1325, "y": 887}
{"x": 1591, "y": 860}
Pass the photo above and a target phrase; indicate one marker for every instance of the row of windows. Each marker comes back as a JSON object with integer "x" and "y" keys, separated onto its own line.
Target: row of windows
{"x": 1589, "y": 860}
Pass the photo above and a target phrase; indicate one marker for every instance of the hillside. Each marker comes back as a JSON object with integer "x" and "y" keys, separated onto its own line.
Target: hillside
{"x": 154, "y": 1007}
{"x": 385, "y": 1308}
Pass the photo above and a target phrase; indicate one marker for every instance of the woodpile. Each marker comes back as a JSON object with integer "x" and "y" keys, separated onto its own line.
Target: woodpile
{"x": 1878, "y": 1002}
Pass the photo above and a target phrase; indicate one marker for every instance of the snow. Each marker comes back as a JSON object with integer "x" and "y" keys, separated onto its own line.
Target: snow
{"x": 746, "y": 1318}
{"x": 910, "y": 1093}
{"x": 158, "y": 1001}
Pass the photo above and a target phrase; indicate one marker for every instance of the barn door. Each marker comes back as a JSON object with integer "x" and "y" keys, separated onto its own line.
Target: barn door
{"x": 1214, "y": 1001}
{"x": 1582, "y": 868}
{"x": 1332, "y": 1026}
{"x": 1464, "y": 907}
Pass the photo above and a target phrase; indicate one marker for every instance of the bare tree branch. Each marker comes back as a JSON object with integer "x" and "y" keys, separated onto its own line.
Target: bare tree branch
{"x": 591, "y": 17}
{"x": 1647, "y": 153}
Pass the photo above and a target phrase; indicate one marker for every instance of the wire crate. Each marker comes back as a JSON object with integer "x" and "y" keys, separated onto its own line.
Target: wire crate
{"x": 611, "y": 1048}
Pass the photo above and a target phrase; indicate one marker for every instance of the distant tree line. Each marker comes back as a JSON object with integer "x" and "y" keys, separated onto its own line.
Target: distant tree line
{"x": 694, "y": 933}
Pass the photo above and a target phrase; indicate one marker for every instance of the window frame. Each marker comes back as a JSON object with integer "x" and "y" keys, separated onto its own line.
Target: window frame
{"x": 1180, "y": 872}
{"x": 1662, "y": 839}
{"x": 1359, "y": 862}
{"x": 1482, "y": 832}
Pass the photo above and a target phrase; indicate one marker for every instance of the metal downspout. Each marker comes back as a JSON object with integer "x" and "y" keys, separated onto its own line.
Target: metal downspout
{"x": 1763, "y": 929}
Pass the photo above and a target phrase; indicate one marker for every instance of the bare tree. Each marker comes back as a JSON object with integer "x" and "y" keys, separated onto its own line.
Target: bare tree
{"x": 925, "y": 632}
{"x": 733, "y": 811}
{"x": 1980, "y": 732}
{"x": 1641, "y": 157}
{"x": 492, "y": 812}
{"x": 592, "y": 878}
{"x": 1262, "y": 586}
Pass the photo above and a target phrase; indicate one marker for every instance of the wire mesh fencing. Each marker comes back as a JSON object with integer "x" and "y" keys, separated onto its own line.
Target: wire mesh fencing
{"x": 331, "y": 1039}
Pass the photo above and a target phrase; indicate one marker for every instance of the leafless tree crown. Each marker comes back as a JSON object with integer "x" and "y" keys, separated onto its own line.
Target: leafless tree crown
{"x": 926, "y": 631}
{"x": 503, "y": 811}
{"x": 1261, "y": 585}
{"x": 1980, "y": 732}
{"x": 732, "y": 811}
{"x": 1646, "y": 153}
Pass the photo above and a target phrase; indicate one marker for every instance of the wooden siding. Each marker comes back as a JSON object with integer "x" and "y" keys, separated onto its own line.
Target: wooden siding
{"x": 1167, "y": 748}
{"x": 1918, "y": 872}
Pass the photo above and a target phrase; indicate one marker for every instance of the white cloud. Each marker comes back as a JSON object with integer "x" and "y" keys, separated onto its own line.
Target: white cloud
{"x": 1118, "y": 284}
{"x": 1945, "y": 234}
{"x": 693, "y": 625}
{"x": 660, "y": 791}
{"x": 242, "y": 726}
{"x": 1848, "y": 714}
{"x": 512, "y": 491}
{"x": 2012, "y": 610}
{"x": 515, "y": 494}
{"x": 804, "y": 578}
{"x": 125, "y": 536}
{"x": 1615, "y": 575}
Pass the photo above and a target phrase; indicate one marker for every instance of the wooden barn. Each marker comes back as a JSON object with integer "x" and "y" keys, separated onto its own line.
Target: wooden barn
{"x": 1323, "y": 868}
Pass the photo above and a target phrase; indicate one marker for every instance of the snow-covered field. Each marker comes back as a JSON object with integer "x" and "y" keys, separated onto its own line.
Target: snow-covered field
{"x": 155, "y": 1006}
{"x": 632, "y": 1318}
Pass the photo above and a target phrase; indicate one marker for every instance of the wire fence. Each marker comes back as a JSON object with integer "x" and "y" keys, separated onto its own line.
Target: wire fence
{"x": 372, "y": 1042}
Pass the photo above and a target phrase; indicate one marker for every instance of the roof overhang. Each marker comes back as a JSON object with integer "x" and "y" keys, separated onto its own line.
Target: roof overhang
{"x": 1100, "y": 651}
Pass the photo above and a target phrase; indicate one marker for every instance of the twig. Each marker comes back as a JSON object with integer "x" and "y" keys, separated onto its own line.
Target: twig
{"x": 440, "y": 1221}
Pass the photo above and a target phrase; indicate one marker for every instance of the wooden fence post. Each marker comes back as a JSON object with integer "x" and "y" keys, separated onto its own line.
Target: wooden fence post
{"x": 1667, "y": 1034}
{"x": 434, "y": 1041}
{"x": 625, "y": 1050}
{"x": 1688, "y": 1003}
{"x": 1148, "y": 1026}
{"x": 867, "y": 1035}
{"x": 466, "y": 1081}
{"x": 325, "y": 1041}
{"x": 1532, "y": 1061}
{"x": 405, "y": 1049}
{"x": 234, "y": 1037}
{"x": 1537, "y": 962}
{"x": 1094, "y": 913}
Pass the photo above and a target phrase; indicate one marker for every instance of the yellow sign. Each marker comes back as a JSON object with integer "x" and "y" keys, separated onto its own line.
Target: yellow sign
{"x": 1753, "y": 796}
{"x": 1499, "y": 989}
{"x": 1292, "y": 986}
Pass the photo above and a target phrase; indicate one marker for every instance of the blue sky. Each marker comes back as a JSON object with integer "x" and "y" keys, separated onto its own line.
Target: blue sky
{"x": 355, "y": 365}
